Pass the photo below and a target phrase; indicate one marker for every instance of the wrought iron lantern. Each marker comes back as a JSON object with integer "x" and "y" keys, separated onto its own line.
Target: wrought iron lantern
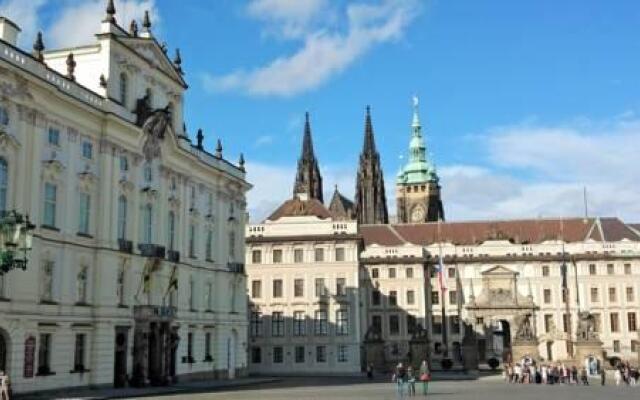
{"x": 15, "y": 241}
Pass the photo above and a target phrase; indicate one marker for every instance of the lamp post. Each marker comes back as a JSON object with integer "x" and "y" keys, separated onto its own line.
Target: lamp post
{"x": 15, "y": 241}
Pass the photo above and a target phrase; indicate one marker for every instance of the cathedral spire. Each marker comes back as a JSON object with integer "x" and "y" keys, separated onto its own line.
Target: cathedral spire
{"x": 308, "y": 179}
{"x": 370, "y": 200}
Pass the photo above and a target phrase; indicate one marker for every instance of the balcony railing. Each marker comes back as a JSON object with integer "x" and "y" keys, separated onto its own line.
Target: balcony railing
{"x": 173, "y": 256}
{"x": 125, "y": 246}
{"x": 151, "y": 250}
{"x": 236, "y": 267}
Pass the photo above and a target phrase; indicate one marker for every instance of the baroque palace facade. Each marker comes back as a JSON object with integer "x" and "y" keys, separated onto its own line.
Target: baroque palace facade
{"x": 137, "y": 274}
{"x": 333, "y": 289}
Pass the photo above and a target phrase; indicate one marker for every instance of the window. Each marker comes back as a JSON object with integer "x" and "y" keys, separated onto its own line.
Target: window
{"x": 120, "y": 286}
{"x": 78, "y": 356}
{"x": 123, "y": 89}
{"x": 565, "y": 322}
{"x": 232, "y": 245}
{"x": 411, "y": 297}
{"x": 342, "y": 322}
{"x": 277, "y": 288}
{"x": 614, "y": 322}
{"x": 277, "y": 324}
{"x": 376, "y": 323}
{"x": 298, "y": 287}
{"x": 44, "y": 354}
{"x": 192, "y": 293}
{"x": 341, "y": 287}
{"x": 85, "y": 211}
{"x": 635, "y": 345}
{"x": 147, "y": 224}
{"x": 435, "y": 297}
{"x": 616, "y": 346}
{"x": 631, "y": 322}
{"x": 208, "y": 252}
{"x": 612, "y": 295}
{"x": 630, "y": 295}
{"x": 256, "y": 355}
{"x": 299, "y": 356}
{"x": 610, "y": 269}
{"x": 627, "y": 269}
{"x": 375, "y": 273}
{"x": 321, "y": 354}
{"x": 545, "y": 270}
{"x": 209, "y": 296}
{"x": 547, "y": 296}
{"x": 192, "y": 198}
{"x": 171, "y": 231}
{"x": 277, "y": 256}
{"x": 256, "y": 256}
{"x": 87, "y": 150}
{"x": 592, "y": 269}
{"x": 564, "y": 295}
{"x": 148, "y": 174}
{"x": 190, "y": 347}
{"x": 298, "y": 255}
{"x": 392, "y": 273}
{"x": 453, "y": 297}
{"x": 454, "y": 322}
{"x": 342, "y": 353}
{"x": 393, "y": 298}
{"x": 376, "y": 297}
{"x": 256, "y": 289}
{"x": 124, "y": 164}
{"x": 320, "y": 323}
{"x": 319, "y": 255}
{"x": 548, "y": 323}
{"x": 122, "y": 218}
{"x": 299, "y": 323}
{"x": 4, "y": 184}
{"x": 409, "y": 273}
{"x": 50, "y": 200}
{"x": 47, "y": 281}
{"x": 256, "y": 324}
{"x": 411, "y": 324}
{"x": 207, "y": 346}
{"x": 452, "y": 272}
{"x": 4, "y": 116}
{"x": 594, "y": 295}
{"x": 321, "y": 290}
{"x": 192, "y": 240}
{"x": 54, "y": 136}
{"x": 394, "y": 325}
{"x": 339, "y": 253}
{"x": 81, "y": 285}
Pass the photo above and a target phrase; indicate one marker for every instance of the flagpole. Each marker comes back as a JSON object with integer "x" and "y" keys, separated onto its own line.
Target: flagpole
{"x": 445, "y": 323}
{"x": 565, "y": 289}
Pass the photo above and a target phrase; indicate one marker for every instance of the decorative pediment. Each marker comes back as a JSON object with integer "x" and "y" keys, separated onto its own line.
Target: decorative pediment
{"x": 153, "y": 54}
{"x": 7, "y": 141}
{"x": 52, "y": 169}
{"x": 126, "y": 186}
{"x": 87, "y": 180}
{"x": 499, "y": 270}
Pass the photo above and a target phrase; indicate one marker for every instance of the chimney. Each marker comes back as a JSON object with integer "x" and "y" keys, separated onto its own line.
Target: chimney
{"x": 9, "y": 31}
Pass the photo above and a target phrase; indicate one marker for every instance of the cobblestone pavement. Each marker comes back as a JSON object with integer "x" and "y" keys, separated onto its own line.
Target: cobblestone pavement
{"x": 355, "y": 388}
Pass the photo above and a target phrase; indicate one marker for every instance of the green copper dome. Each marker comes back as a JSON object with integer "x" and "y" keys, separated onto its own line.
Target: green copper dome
{"x": 418, "y": 169}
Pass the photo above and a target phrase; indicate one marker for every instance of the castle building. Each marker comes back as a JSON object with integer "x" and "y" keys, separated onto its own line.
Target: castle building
{"x": 136, "y": 275}
{"x": 418, "y": 186}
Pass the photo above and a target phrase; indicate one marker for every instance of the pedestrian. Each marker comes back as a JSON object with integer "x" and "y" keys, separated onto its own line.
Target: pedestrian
{"x": 369, "y": 371}
{"x": 603, "y": 376}
{"x": 617, "y": 376}
{"x": 411, "y": 381}
{"x": 583, "y": 376}
{"x": 574, "y": 375}
{"x": 5, "y": 386}
{"x": 425, "y": 377}
{"x": 400, "y": 377}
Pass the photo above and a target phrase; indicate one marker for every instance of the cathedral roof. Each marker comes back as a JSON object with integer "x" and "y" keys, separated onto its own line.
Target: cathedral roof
{"x": 517, "y": 231}
{"x": 341, "y": 207}
{"x": 299, "y": 208}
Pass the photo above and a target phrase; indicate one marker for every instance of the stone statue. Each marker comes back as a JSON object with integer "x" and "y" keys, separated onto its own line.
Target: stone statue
{"x": 154, "y": 128}
{"x": 143, "y": 109}
{"x": 525, "y": 331}
{"x": 373, "y": 334}
{"x": 586, "y": 326}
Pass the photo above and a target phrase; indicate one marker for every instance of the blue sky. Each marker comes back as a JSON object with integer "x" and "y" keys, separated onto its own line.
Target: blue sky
{"x": 524, "y": 102}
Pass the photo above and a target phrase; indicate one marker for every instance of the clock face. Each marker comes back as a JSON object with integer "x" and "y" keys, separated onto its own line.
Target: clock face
{"x": 417, "y": 214}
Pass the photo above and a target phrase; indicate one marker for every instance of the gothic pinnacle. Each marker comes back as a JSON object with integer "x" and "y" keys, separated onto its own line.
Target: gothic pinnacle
{"x": 146, "y": 22}
{"x": 38, "y": 48}
{"x": 219, "y": 149}
{"x": 177, "y": 61}
{"x": 111, "y": 12}
{"x": 133, "y": 28}
{"x": 199, "y": 139}
{"x": 241, "y": 162}
{"x": 71, "y": 67}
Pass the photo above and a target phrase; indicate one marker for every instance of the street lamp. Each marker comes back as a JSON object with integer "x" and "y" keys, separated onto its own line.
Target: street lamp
{"x": 15, "y": 241}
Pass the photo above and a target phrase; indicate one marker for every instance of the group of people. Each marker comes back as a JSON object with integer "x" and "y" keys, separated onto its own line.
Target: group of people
{"x": 626, "y": 374}
{"x": 529, "y": 372}
{"x": 407, "y": 377}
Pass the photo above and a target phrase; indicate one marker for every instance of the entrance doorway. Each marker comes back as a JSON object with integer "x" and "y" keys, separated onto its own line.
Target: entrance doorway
{"x": 502, "y": 339}
{"x": 3, "y": 353}
{"x": 120, "y": 359}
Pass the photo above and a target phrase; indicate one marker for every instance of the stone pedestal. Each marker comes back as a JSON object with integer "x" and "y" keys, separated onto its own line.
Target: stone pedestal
{"x": 583, "y": 349}
{"x": 374, "y": 354}
{"x": 419, "y": 350}
{"x": 524, "y": 348}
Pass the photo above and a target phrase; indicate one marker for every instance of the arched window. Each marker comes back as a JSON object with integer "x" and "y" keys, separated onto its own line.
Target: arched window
{"x": 147, "y": 224}
{"x": 172, "y": 229}
{"x": 122, "y": 218}
{"x": 4, "y": 184}
{"x": 123, "y": 89}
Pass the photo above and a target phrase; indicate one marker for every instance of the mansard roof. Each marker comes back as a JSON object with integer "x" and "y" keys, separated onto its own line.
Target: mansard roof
{"x": 300, "y": 208}
{"x": 516, "y": 231}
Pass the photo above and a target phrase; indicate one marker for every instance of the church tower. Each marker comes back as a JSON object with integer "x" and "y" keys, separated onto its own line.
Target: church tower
{"x": 308, "y": 179}
{"x": 370, "y": 199}
{"x": 418, "y": 186}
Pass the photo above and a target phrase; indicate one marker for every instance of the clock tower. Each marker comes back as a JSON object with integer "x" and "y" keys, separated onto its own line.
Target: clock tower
{"x": 418, "y": 186}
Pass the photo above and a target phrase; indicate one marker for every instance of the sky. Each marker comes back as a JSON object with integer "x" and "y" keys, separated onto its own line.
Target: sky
{"x": 524, "y": 104}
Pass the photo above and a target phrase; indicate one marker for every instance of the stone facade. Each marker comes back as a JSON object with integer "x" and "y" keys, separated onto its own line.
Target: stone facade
{"x": 136, "y": 273}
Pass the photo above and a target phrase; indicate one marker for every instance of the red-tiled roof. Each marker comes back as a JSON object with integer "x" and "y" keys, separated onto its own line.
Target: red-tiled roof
{"x": 380, "y": 234}
{"x": 297, "y": 208}
{"x": 615, "y": 230}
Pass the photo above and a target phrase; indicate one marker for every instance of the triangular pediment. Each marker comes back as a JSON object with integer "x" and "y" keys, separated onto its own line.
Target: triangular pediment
{"x": 150, "y": 50}
{"x": 499, "y": 270}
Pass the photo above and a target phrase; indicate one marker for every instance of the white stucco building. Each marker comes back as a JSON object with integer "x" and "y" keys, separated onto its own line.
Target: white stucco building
{"x": 137, "y": 272}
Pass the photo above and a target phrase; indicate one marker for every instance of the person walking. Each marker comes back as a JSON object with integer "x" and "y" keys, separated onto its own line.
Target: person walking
{"x": 369, "y": 371}
{"x": 400, "y": 377}
{"x": 583, "y": 376}
{"x": 617, "y": 376}
{"x": 411, "y": 381}
{"x": 603, "y": 376}
{"x": 425, "y": 377}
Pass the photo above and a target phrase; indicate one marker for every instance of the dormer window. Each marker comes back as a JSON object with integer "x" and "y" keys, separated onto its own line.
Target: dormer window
{"x": 87, "y": 150}
{"x": 54, "y": 137}
{"x": 4, "y": 116}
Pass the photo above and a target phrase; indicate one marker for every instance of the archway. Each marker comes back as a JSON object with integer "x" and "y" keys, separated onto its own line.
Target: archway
{"x": 4, "y": 351}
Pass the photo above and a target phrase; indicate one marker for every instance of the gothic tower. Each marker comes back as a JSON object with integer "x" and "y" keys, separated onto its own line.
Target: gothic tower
{"x": 418, "y": 186}
{"x": 371, "y": 202}
{"x": 308, "y": 178}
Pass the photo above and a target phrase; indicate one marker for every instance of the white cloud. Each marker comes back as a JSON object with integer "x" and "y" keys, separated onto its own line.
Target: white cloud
{"x": 289, "y": 18}
{"x": 325, "y": 51}
{"x": 25, "y": 14}
{"x": 263, "y": 140}
{"x": 80, "y": 21}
